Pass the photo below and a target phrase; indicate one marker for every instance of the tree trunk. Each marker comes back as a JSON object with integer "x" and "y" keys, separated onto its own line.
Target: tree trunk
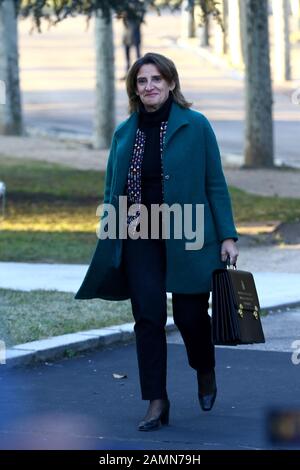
{"x": 105, "y": 82}
{"x": 11, "y": 109}
{"x": 218, "y": 33}
{"x": 258, "y": 89}
{"x": 281, "y": 33}
{"x": 242, "y": 17}
{"x": 295, "y": 10}
{"x": 234, "y": 33}
{"x": 225, "y": 23}
{"x": 206, "y": 32}
{"x": 187, "y": 19}
{"x": 203, "y": 29}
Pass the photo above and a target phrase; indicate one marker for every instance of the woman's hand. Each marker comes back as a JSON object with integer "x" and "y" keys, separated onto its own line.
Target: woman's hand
{"x": 228, "y": 248}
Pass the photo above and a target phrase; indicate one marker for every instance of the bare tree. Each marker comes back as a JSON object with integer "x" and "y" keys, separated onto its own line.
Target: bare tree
{"x": 105, "y": 82}
{"x": 187, "y": 19}
{"x": 56, "y": 11}
{"x": 101, "y": 10}
{"x": 11, "y": 111}
{"x": 259, "y": 124}
{"x": 281, "y": 33}
{"x": 234, "y": 33}
{"x": 225, "y": 25}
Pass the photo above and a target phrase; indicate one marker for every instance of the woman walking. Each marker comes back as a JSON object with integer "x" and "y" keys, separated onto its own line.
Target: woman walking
{"x": 164, "y": 153}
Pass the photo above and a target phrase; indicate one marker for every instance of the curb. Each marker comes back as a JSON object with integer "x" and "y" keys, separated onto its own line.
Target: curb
{"x": 68, "y": 345}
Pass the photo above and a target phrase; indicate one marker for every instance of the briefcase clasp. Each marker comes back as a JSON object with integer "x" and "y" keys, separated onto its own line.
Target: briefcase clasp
{"x": 240, "y": 310}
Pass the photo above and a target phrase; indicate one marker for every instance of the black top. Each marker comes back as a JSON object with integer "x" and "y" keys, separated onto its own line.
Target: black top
{"x": 150, "y": 123}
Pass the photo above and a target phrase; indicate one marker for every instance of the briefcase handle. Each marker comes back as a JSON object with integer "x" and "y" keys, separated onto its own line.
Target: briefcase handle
{"x": 228, "y": 263}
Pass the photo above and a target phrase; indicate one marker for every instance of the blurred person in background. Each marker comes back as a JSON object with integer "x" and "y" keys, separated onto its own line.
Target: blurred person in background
{"x": 131, "y": 37}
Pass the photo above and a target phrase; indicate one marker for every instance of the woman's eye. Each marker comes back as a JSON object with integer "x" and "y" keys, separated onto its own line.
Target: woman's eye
{"x": 142, "y": 81}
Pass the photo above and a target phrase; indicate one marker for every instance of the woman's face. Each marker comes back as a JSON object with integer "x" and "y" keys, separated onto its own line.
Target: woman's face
{"x": 151, "y": 87}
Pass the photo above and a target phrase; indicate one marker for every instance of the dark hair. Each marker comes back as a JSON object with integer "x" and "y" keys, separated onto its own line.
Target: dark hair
{"x": 167, "y": 69}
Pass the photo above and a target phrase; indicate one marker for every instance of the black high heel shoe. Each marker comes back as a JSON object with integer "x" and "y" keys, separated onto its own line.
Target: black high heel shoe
{"x": 157, "y": 421}
{"x": 207, "y": 390}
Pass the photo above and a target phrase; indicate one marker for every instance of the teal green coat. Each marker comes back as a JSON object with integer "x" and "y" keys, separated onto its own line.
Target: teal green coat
{"x": 192, "y": 174}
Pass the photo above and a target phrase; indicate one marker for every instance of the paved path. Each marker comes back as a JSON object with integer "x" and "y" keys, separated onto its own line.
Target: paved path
{"x": 276, "y": 270}
{"x": 273, "y": 288}
{"x": 58, "y": 95}
{"x": 77, "y": 404}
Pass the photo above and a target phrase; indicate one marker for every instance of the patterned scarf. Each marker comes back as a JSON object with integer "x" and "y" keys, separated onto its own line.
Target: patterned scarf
{"x": 134, "y": 178}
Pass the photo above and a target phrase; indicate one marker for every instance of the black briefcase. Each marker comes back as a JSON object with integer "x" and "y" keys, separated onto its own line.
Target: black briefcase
{"x": 235, "y": 308}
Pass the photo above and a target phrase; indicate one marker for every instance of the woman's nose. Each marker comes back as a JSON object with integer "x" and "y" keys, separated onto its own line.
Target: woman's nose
{"x": 149, "y": 85}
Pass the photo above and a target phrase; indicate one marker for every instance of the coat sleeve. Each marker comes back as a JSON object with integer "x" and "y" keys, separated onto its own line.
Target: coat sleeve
{"x": 109, "y": 172}
{"x": 216, "y": 187}
{"x": 108, "y": 180}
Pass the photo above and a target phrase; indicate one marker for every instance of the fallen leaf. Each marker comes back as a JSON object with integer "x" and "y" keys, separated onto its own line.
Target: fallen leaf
{"x": 119, "y": 376}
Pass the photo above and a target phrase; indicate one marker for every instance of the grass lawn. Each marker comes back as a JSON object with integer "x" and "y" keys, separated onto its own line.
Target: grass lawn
{"x": 51, "y": 211}
{"x": 29, "y": 316}
{"x": 51, "y": 217}
{"x": 251, "y": 208}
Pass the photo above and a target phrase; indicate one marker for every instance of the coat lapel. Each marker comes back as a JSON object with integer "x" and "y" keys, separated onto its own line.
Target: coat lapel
{"x": 177, "y": 119}
{"x": 125, "y": 136}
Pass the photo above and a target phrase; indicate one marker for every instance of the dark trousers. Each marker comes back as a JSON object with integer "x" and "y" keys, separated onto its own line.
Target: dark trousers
{"x": 145, "y": 266}
{"x": 127, "y": 54}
